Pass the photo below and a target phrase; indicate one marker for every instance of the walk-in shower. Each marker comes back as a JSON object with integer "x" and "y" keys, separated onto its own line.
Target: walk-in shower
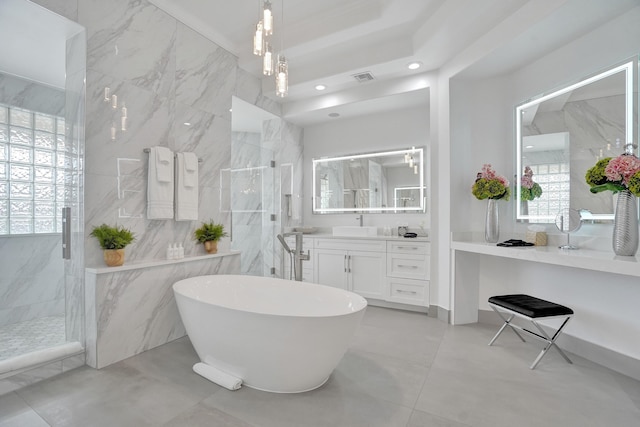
{"x": 42, "y": 107}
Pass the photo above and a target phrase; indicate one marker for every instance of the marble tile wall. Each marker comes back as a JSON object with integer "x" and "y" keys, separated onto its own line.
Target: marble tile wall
{"x": 285, "y": 140}
{"x": 131, "y": 311}
{"x": 30, "y": 95}
{"x": 166, "y": 75}
{"x": 250, "y": 190}
{"x": 32, "y": 282}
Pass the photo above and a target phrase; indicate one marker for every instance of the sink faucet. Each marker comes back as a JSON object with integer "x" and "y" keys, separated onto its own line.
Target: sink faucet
{"x": 360, "y": 218}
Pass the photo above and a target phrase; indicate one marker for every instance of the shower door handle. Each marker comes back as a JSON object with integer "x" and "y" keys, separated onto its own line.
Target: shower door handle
{"x": 66, "y": 233}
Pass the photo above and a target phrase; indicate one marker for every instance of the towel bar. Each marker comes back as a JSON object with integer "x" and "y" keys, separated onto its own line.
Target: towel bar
{"x": 148, "y": 150}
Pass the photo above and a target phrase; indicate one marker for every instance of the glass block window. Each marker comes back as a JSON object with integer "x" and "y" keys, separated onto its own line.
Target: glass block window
{"x": 555, "y": 181}
{"x": 34, "y": 165}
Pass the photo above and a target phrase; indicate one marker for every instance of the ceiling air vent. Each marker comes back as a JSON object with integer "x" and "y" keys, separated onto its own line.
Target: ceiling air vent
{"x": 363, "y": 77}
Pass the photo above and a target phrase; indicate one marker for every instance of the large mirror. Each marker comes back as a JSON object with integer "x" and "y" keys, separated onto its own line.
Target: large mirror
{"x": 383, "y": 182}
{"x": 560, "y": 135}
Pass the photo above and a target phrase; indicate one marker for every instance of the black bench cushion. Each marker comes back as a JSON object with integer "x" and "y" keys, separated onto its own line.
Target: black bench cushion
{"x": 530, "y": 306}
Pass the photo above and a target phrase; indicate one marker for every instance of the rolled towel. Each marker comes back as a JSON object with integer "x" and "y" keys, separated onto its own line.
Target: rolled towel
{"x": 217, "y": 376}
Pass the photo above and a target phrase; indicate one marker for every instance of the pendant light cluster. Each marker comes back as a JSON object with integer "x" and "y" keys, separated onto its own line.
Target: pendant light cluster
{"x": 262, "y": 47}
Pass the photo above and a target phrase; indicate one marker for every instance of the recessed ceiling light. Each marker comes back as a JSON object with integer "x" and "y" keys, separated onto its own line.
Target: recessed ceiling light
{"x": 187, "y": 124}
{"x": 334, "y": 115}
{"x": 528, "y": 146}
{"x": 321, "y": 87}
{"x": 414, "y": 65}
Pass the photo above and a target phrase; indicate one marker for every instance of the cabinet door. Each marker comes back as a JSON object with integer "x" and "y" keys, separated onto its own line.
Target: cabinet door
{"x": 330, "y": 268}
{"x": 366, "y": 274}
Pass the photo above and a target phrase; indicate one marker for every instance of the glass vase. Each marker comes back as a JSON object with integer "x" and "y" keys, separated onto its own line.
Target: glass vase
{"x": 625, "y": 226}
{"x": 491, "y": 224}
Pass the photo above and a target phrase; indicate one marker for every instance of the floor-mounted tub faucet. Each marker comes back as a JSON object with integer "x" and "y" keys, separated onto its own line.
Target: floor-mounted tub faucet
{"x": 360, "y": 217}
{"x": 298, "y": 253}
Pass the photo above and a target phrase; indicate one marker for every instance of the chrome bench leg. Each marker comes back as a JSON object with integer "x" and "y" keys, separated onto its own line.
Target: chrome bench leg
{"x": 507, "y": 322}
{"x": 551, "y": 342}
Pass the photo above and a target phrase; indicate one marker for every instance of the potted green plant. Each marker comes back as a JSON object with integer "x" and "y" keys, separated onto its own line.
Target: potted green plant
{"x": 113, "y": 240}
{"x": 209, "y": 233}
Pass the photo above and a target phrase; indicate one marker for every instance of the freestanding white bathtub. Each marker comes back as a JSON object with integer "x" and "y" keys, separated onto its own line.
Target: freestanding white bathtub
{"x": 272, "y": 334}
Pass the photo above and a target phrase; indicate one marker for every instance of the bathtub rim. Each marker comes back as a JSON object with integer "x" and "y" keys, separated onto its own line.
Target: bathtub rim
{"x": 345, "y": 311}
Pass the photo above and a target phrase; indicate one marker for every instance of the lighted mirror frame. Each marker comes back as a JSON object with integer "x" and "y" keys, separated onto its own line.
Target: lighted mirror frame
{"x": 628, "y": 68}
{"x": 415, "y": 151}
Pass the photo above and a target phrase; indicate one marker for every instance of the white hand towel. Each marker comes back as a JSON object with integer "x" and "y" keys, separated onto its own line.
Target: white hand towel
{"x": 186, "y": 196}
{"x": 160, "y": 186}
{"x": 164, "y": 164}
{"x": 190, "y": 170}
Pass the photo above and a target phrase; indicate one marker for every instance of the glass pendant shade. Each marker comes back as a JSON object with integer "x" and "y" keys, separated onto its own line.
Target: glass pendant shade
{"x": 267, "y": 18}
{"x": 282, "y": 77}
{"x": 267, "y": 60}
{"x": 258, "y": 39}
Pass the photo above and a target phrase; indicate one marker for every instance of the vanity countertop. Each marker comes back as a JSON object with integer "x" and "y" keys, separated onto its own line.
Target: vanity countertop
{"x": 379, "y": 237}
{"x": 589, "y": 259}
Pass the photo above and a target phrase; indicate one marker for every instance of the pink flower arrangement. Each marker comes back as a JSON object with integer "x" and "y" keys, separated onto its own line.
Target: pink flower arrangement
{"x": 622, "y": 168}
{"x": 529, "y": 189}
{"x": 615, "y": 174}
{"x": 527, "y": 179}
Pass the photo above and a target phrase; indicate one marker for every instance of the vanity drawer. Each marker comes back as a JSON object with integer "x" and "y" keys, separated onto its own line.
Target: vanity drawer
{"x": 407, "y": 291}
{"x": 351, "y": 245}
{"x": 409, "y": 247}
{"x": 408, "y": 266}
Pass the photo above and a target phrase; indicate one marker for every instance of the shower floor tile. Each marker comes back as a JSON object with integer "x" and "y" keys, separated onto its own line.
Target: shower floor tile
{"x": 31, "y": 335}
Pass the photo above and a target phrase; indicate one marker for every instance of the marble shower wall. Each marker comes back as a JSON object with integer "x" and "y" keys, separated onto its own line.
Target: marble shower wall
{"x": 285, "y": 140}
{"x": 167, "y": 75}
{"x": 250, "y": 188}
{"x": 259, "y": 190}
{"x": 32, "y": 284}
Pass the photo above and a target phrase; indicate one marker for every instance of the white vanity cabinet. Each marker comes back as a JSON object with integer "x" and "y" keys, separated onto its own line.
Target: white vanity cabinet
{"x": 408, "y": 272}
{"x": 354, "y": 265}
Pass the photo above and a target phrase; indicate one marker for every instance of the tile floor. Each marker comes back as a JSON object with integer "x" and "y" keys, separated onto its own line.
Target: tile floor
{"x": 31, "y": 335}
{"x": 403, "y": 369}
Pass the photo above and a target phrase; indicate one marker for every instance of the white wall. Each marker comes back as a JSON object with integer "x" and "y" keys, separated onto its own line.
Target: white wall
{"x": 485, "y": 133}
{"x": 389, "y": 131}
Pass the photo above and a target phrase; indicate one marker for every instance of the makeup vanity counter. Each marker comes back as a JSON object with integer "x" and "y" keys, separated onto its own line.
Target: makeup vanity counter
{"x": 574, "y": 276}
{"x": 589, "y": 259}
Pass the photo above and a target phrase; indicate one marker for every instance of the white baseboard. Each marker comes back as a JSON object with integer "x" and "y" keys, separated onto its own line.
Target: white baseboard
{"x": 595, "y": 353}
